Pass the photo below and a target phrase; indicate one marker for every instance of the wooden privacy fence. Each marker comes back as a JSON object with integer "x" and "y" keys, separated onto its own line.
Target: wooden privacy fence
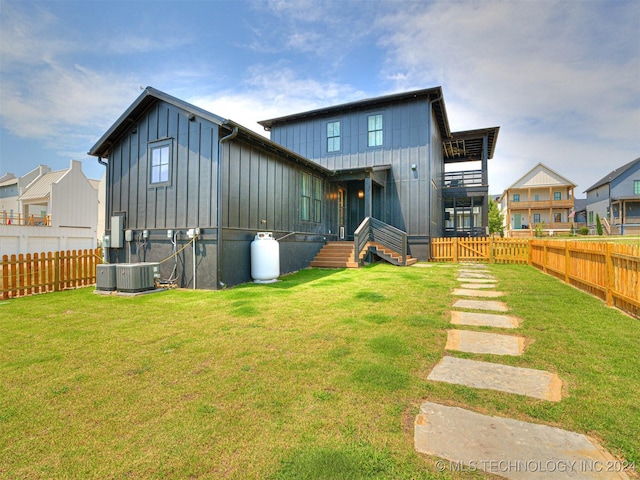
{"x": 606, "y": 270}
{"x": 47, "y": 272}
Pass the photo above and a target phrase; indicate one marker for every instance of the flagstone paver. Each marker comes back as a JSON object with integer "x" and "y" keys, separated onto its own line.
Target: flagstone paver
{"x": 509, "y": 448}
{"x": 482, "y": 342}
{"x": 505, "y": 378}
{"x": 464, "y": 292}
{"x": 477, "y": 286}
{"x": 476, "y": 280}
{"x": 494, "y": 305}
{"x": 463, "y": 274}
{"x": 484, "y": 319}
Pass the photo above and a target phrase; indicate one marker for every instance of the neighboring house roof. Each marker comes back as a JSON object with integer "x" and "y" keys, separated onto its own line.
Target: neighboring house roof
{"x": 580, "y": 204}
{"x": 541, "y": 175}
{"x": 613, "y": 175}
{"x": 11, "y": 181}
{"x": 462, "y": 146}
{"x": 150, "y": 95}
{"x": 41, "y": 187}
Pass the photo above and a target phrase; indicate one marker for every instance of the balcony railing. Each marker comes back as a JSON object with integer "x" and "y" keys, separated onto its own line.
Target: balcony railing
{"x": 627, "y": 220}
{"x": 540, "y": 204}
{"x": 24, "y": 220}
{"x": 465, "y": 178}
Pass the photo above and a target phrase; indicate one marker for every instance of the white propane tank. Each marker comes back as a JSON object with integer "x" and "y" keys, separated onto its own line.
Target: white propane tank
{"x": 265, "y": 258}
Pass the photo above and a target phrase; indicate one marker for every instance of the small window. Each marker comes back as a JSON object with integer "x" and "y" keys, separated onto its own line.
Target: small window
{"x": 536, "y": 218}
{"x": 317, "y": 200}
{"x": 557, "y": 217}
{"x": 536, "y": 197}
{"x": 333, "y": 136}
{"x": 636, "y": 187}
{"x": 557, "y": 195}
{"x": 305, "y": 192}
{"x": 374, "y": 130}
{"x": 516, "y": 197}
{"x": 160, "y": 162}
{"x": 591, "y": 217}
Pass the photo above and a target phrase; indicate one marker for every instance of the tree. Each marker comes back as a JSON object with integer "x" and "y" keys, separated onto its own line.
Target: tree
{"x": 496, "y": 219}
{"x": 598, "y": 225}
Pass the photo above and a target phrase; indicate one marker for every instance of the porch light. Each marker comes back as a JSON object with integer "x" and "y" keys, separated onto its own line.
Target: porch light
{"x": 360, "y": 193}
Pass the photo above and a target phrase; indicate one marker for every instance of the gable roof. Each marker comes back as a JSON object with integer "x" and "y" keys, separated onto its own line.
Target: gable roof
{"x": 433, "y": 94}
{"x": 544, "y": 173}
{"x": 611, "y": 176}
{"x": 150, "y": 96}
{"x": 41, "y": 187}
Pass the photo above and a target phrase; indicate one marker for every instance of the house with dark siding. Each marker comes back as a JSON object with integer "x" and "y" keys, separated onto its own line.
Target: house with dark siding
{"x": 616, "y": 199}
{"x": 371, "y": 173}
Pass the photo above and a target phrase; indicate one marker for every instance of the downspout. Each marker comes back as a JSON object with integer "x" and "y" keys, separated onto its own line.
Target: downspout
{"x": 105, "y": 254}
{"x": 231, "y": 136}
{"x": 440, "y": 182}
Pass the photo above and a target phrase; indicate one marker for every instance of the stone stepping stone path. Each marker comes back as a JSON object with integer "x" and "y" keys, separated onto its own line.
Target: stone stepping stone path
{"x": 493, "y": 305}
{"x": 482, "y": 342}
{"x": 494, "y": 376}
{"x": 465, "y": 292}
{"x": 501, "y": 446}
{"x": 477, "y": 286}
{"x": 484, "y": 320}
{"x": 508, "y": 448}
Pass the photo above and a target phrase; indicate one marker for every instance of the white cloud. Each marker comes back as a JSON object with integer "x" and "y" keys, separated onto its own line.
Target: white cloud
{"x": 562, "y": 79}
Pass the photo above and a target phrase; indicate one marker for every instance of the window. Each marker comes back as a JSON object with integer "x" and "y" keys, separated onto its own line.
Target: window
{"x": 536, "y": 218}
{"x": 557, "y": 195}
{"x": 516, "y": 197}
{"x": 536, "y": 197}
{"x": 317, "y": 200}
{"x": 160, "y": 167}
{"x": 557, "y": 217}
{"x": 591, "y": 217}
{"x": 636, "y": 187}
{"x": 310, "y": 198}
{"x": 333, "y": 136}
{"x": 305, "y": 191}
{"x": 374, "y": 130}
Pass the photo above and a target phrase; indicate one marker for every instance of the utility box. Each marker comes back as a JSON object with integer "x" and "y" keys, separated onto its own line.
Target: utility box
{"x": 106, "y": 277}
{"x": 136, "y": 277}
{"x": 117, "y": 231}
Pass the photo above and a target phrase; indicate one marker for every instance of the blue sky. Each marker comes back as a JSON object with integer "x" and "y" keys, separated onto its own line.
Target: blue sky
{"x": 560, "y": 78}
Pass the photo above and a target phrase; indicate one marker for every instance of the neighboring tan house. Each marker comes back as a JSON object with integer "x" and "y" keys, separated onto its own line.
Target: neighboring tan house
{"x": 367, "y": 170}
{"x": 541, "y": 199}
{"x": 48, "y": 211}
{"x": 616, "y": 199}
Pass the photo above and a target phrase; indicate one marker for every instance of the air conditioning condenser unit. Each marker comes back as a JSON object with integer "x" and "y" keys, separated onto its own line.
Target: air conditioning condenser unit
{"x": 136, "y": 277}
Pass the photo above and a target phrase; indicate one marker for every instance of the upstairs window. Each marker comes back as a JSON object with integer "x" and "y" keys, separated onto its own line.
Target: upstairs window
{"x": 333, "y": 136}
{"x": 516, "y": 197}
{"x": 636, "y": 187}
{"x": 374, "y": 130}
{"x": 557, "y": 195}
{"x": 160, "y": 166}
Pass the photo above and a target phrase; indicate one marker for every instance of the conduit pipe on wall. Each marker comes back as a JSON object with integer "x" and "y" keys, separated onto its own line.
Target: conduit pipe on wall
{"x": 231, "y": 136}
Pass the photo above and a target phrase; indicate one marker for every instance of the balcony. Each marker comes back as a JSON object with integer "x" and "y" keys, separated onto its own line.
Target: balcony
{"x": 24, "y": 220}
{"x": 466, "y": 178}
{"x": 540, "y": 205}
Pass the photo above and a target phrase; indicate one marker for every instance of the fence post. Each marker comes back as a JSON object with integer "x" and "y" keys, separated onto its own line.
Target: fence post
{"x": 491, "y": 256}
{"x": 529, "y": 252}
{"x": 544, "y": 256}
{"x": 608, "y": 281}
{"x": 5, "y": 277}
{"x": 567, "y": 262}
{"x": 56, "y": 272}
{"x": 454, "y": 250}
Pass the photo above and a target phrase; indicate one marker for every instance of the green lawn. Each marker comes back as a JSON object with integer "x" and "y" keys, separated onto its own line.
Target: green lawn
{"x": 317, "y": 376}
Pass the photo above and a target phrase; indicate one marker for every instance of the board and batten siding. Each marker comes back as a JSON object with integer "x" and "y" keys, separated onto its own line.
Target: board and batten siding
{"x": 408, "y": 128}
{"x": 189, "y": 199}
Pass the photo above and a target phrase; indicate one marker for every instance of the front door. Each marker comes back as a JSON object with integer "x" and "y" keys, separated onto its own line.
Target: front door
{"x": 342, "y": 204}
{"x": 517, "y": 221}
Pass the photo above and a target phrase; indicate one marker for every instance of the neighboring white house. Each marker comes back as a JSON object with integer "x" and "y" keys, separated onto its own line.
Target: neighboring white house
{"x": 48, "y": 210}
{"x": 542, "y": 198}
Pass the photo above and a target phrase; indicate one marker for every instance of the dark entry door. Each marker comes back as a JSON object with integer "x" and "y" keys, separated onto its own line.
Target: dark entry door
{"x": 342, "y": 210}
